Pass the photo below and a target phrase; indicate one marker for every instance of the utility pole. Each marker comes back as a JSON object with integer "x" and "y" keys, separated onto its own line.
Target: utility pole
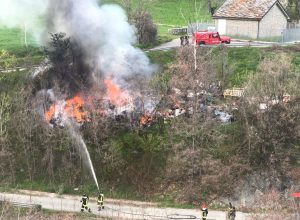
{"x": 25, "y": 35}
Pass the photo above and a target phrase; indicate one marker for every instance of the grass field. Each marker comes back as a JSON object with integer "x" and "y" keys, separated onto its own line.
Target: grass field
{"x": 13, "y": 40}
{"x": 167, "y": 14}
{"x": 174, "y": 12}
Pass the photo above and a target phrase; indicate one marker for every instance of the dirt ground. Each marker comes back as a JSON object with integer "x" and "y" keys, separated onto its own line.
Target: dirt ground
{"x": 115, "y": 209}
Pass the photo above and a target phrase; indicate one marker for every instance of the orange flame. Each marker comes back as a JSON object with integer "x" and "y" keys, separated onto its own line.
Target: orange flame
{"x": 145, "y": 119}
{"x": 50, "y": 113}
{"x": 73, "y": 108}
{"x": 76, "y": 107}
{"x": 115, "y": 94}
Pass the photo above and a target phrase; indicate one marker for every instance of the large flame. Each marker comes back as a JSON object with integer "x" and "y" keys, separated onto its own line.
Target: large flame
{"x": 76, "y": 107}
{"x": 71, "y": 108}
{"x": 115, "y": 95}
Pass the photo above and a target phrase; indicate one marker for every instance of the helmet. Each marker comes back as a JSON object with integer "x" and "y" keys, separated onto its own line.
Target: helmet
{"x": 203, "y": 206}
{"x": 101, "y": 191}
{"x": 84, "y": 194}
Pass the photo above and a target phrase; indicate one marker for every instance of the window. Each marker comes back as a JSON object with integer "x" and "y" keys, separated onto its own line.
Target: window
{"x": 215, "y": 36}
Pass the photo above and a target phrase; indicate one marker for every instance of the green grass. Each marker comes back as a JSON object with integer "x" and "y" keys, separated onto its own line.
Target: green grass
{"x": 178, "y": 12}
{"x": 12, "y": 81}
{"x": 173, "y": 13}
{"x": 296, "y": 60}
{"x": 243, "y": 62}
{"x": 12, "y": 40}
{"x": 161, "y": 58}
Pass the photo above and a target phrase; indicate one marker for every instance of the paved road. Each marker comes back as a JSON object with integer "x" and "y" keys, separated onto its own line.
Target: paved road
{"x": 234, "y": 43}
{"x": 116, "y": 209}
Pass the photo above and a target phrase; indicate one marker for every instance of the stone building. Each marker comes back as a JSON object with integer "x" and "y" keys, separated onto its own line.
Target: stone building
{"x": 251, "y": 18}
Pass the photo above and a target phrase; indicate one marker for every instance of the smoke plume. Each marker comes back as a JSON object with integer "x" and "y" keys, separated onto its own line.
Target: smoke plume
{"x": 101, "y": 33}
{"x": 25, "y": 14}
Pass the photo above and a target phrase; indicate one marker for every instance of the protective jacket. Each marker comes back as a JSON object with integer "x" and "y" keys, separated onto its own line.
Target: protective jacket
{"x": 204, "y": 213}
{"x": 100, "y": 198}
{"x": 84, "y": 200}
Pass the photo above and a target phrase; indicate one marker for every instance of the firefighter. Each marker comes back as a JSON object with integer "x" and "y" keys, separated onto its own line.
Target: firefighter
{"x": 186, "y": 39}
{"x": 100, "y": 201}
{"x": 181, "y": 40}
{"x": 231, "y": 212}
{"x": 204, "y": 211}
{"x": 84, "y": 200}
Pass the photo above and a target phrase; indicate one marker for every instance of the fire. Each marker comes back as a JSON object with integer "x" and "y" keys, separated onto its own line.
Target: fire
{"x": 71, "y": 108}
{"x": 50, "y": 113}
{"x": 146, "y": 119}
{"x": 115, "y": 94}
{"x": 74, "y": 108}
{"x": 77, "y": 108}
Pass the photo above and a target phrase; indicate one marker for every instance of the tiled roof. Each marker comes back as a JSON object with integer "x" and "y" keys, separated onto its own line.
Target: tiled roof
{"x": 247, "y": 9}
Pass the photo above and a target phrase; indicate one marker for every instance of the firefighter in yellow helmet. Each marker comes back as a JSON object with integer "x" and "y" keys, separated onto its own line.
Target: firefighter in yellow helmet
{"x": 100, "y": 201}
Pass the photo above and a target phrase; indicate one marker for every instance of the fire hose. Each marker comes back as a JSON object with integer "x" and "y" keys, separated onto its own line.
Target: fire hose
{"x": 160, "y": 217}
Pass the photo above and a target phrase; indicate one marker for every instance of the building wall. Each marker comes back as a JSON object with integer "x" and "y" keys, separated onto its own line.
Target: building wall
{"x": 240, "y": 28}
{"x": 272, "y": 23}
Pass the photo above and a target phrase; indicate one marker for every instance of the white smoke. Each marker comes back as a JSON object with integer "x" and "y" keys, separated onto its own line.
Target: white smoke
{"x": 103, "y": 33}
{"x": 24, "y": 14}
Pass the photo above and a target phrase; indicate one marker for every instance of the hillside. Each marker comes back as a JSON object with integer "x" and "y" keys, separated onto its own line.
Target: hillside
{"x": 99, "y": 113}
{"x": 134, "y": 149}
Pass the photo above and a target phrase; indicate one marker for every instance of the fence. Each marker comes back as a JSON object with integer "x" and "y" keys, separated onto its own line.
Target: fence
{"x": 290, "y": 35}
{"x": 250, "y": 32}
{"x": 178, "y": 31}
{"x": 200, "y": 27}
{"x": 271, "y": 34}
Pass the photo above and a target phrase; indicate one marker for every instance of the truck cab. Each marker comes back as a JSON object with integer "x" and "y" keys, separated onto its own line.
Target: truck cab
{"x": 209, "y": 38}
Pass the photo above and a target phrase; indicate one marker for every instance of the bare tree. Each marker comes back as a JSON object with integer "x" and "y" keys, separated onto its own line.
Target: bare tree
{"x": 269, "y": 112}
{"x": 7, "y": 161}
{"x": 137, "y": 14}
{"x": 191, "y": 89}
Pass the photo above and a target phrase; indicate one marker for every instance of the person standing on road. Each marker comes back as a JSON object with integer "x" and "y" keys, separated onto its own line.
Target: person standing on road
{"x": 181, "y": 40}
{"x": 100, "y": 201}
{"x": 231, "y": 212}
{"x": 204, "y": 211}
{"x": 186, "y": 39}
{"x": 84, "y": 200}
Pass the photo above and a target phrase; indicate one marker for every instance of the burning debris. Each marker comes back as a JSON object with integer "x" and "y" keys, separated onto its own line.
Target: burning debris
{"x": 114, "y": 102}
{"x": 71, "y": 108}
{"x": 116, "y": 96}
{"x": 146, "y": 119}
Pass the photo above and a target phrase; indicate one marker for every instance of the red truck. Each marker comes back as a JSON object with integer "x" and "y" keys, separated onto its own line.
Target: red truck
{"x": 209, "y": 37}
